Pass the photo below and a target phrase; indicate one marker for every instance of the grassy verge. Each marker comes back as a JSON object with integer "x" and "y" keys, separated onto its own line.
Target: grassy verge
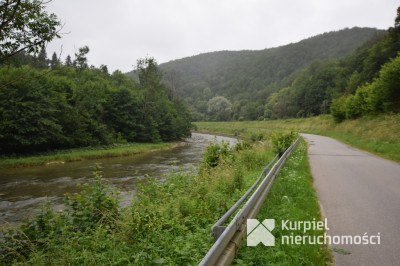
{"x": 80, "y": 154}
{"x": 378, "y": 135}
{"x": 292, "y": 197}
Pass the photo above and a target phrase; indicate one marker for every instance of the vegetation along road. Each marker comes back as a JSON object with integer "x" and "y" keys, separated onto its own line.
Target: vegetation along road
{"x": 359, "y": 194}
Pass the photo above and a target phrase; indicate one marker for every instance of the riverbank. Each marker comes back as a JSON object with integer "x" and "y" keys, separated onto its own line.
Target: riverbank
{"x": 80, "y": 154}
{"x": 378, "y": 135}
{"x": 22, "y": 190}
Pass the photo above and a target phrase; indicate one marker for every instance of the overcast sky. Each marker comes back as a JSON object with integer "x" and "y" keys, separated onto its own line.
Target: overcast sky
{"x": 118, "y": 32}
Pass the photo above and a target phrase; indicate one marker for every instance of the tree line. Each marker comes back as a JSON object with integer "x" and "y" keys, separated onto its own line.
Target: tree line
{"x": 75, "y": 105}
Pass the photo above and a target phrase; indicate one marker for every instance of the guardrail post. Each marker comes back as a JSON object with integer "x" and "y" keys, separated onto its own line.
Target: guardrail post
{"x": 217, "y": 231}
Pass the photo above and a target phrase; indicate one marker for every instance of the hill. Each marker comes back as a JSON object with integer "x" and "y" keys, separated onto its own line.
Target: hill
{"x": 246, "y": 78}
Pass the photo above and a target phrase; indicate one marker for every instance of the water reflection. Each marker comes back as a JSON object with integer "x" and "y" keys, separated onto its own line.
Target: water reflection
{"x": 22, "y": 190}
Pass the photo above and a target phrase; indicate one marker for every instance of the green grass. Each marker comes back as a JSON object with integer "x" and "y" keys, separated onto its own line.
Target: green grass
{"x": 292, "y": 197}
{"x": 80, "y": 154}
{"x": 379, "y": 135}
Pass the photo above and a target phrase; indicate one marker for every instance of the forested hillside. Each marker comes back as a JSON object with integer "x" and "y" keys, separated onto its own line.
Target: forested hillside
{"x": 366, "y": 82}
{"x": 245, "y": 79}
{"x": 47, "y": 104}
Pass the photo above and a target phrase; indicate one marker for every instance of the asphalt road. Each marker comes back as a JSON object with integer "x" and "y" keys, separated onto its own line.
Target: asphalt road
{"x": 359, "y": 193}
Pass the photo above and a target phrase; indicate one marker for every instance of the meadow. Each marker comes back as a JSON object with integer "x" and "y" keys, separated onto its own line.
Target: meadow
{"x": 379, "y": 135}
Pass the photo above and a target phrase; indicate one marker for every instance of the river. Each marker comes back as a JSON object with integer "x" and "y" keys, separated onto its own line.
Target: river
{"x": 23, "y": 190}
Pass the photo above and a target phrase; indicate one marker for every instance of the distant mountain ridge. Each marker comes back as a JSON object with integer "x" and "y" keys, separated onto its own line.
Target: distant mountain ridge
{"x": 230, "y": 72}
{"x": 251, "y": 76}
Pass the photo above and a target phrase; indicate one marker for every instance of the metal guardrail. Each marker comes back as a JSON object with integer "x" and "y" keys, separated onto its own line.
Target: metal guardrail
{"x": 229, "y": 238}
{"x": 217, "y": 228}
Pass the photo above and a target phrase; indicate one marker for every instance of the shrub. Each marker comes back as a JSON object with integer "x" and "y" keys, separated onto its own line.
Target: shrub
{"x": 96, "y": 203}
{"x": 338, "y": 109}
{"x": 281, "y": 141}
{"x": 353, "y": 107}
{"x": 257, "y": 137}
{"x": 215, "y": 152}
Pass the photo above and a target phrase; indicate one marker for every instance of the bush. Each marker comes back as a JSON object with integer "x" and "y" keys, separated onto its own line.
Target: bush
{"x": 93, "y": 205}
{"x": 256, "y": 137}
{"x": 281, "y": 141}
{"x": 338, "y": 109}
{"x": 215, "y": 152}
{"x": 352, "y": 107}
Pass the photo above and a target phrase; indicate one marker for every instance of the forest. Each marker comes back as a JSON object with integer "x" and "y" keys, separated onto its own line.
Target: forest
{"x": 365, "y": 82}
{"x": 329, "y": 73}
{"x": 48, "y": 104}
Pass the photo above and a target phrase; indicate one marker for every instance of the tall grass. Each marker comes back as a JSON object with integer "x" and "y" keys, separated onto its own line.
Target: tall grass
{"x": 379, "y": 135}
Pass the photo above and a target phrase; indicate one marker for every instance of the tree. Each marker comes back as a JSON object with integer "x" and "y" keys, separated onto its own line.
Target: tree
{"x": 172, "y": 81}
{"x": 80, "y": 58}
{"x": 123, "y": 113}
{"x": 164, "y": 118}
{"x": 207, "y": 94}
{"x": 29, "y": 113}
{"x": 253, "y": 111}
{"x": 42, "y": 61}
{"x": 150, "y": 81}
{"x": 25, "y": 26}
{"x": 220, "y": 108}
{"x": 54, "y": 61}
{"x": 68, "y": 61}
{"x": 104, "y": 69}
{"x": 281, "y": 104}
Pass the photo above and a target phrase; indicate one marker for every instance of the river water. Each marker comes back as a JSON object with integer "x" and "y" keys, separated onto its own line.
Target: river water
{"x": 23, "y": 190}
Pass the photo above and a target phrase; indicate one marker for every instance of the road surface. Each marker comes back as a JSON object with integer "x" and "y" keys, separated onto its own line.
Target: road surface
{"x": 359, "y": 193}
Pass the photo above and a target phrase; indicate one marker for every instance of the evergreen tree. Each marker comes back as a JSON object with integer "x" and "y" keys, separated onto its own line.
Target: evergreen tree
{"x": 68, "y": 61}
{"x": 54, "y": 61}
{"x": 81, "y": 61}
{"x": 42, "y": 61}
